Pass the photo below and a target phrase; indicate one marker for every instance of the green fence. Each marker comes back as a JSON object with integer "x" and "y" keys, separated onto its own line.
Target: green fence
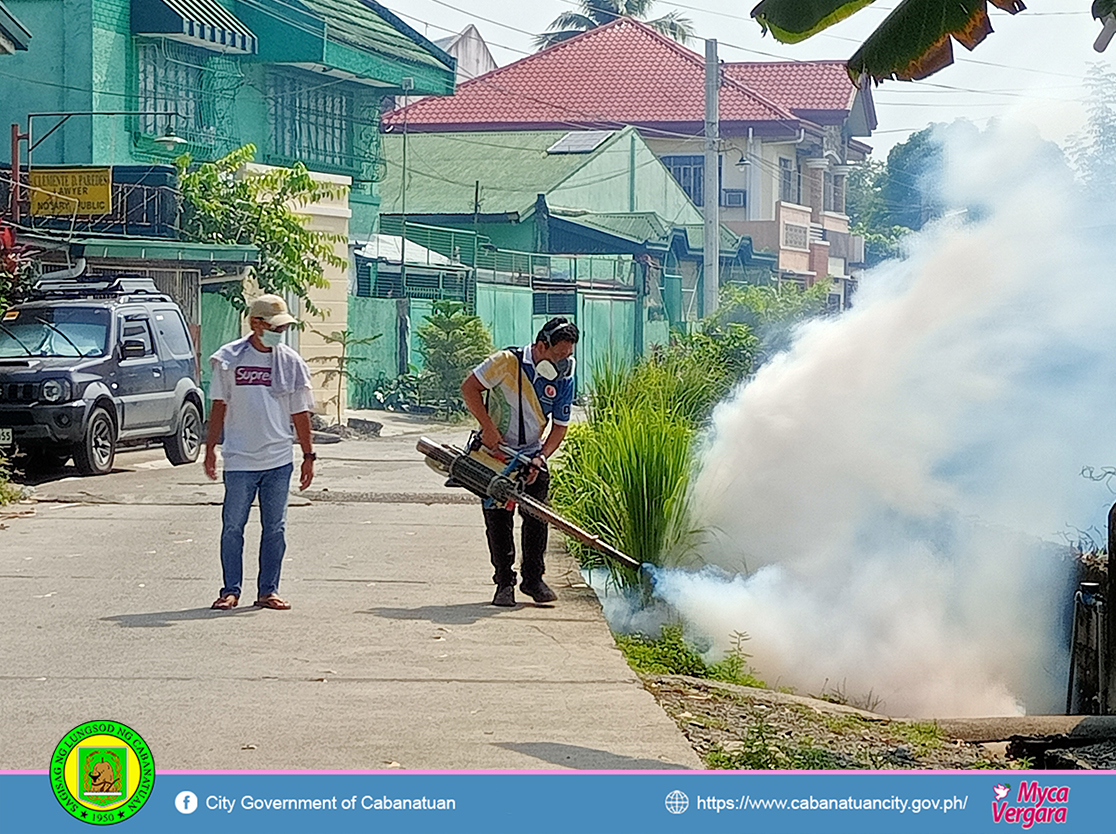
{"x": 367, "y": 317}
{"x": 220, "y": 324}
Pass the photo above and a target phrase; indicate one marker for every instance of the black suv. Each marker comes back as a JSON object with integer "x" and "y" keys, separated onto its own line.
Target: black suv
{"x": 85, "y": 364}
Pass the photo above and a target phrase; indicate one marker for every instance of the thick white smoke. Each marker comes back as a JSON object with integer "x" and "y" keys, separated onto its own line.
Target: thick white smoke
{"x": 884, "y": 493}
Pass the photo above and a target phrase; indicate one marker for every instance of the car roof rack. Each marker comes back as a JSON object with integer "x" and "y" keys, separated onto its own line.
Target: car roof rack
{"x": 98, "y": 286}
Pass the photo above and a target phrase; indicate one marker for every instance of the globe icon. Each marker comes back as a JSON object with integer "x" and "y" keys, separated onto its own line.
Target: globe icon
{"x": 677, "y": 802}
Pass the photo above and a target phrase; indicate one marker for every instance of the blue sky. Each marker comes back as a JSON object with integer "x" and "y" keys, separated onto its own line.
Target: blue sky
{"x": 1031, "y": 67}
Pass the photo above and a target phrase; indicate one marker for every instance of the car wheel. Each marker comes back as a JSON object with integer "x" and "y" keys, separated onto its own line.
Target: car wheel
{"x": 96, "y": 451}
{"x": 184, "y": 445}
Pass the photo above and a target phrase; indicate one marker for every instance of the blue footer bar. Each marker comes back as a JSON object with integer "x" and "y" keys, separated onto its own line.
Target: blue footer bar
{"x": 582, "y": 802}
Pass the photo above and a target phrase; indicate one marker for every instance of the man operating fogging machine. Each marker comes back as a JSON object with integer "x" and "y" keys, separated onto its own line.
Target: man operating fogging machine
{"x": 530, "y": 393}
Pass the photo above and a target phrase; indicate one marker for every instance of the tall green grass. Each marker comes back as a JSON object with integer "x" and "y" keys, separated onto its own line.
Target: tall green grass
{"x": 626, "y": 478}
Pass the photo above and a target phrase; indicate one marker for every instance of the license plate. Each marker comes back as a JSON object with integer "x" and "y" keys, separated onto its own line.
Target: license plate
{"x": 5, "y": 437}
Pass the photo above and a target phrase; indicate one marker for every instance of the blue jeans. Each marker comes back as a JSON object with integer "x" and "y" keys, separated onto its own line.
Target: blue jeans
{"x": 240, "y": 490}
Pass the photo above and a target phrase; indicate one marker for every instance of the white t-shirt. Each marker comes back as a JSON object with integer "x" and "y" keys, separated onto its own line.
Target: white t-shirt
{"x": 258, "y": 430}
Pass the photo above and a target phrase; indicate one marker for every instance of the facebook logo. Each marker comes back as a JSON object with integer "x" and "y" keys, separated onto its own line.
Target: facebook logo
{"x": 186, "y": 802}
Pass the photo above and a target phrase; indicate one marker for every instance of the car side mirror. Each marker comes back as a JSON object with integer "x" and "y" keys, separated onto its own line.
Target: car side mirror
{"x": 132, "y": 349}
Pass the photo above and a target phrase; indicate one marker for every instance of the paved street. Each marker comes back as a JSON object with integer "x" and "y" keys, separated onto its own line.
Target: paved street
{"x": 390, "y": 657}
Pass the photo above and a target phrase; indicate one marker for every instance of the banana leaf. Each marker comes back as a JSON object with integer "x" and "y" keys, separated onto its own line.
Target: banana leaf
{"x": 791, "y": 21}
{"x": 914, "y": 41}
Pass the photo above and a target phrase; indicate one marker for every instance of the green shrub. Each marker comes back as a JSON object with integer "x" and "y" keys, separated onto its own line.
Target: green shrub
{"x": 452, "y": 343}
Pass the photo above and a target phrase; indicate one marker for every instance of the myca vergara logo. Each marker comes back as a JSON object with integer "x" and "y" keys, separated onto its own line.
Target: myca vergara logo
{"x": 1033, "y": 804}
{"x": 102, "y": 772}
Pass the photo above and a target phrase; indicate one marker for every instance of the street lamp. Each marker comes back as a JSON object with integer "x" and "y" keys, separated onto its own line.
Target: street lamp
{"x": 168, "y": 140}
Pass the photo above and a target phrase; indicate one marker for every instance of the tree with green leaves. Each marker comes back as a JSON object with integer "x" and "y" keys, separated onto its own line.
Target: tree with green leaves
{"x": 914, "y": 41}
{"x": 343, "y": 364}
{"x": 594, "y": 13}
{"x": 226, "y": 202}
{"x": 1093, "y": 151}
{"x": 452, "y": 342}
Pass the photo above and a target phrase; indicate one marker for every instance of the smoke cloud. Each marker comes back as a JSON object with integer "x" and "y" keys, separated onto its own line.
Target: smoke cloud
{"x": 886, "y": 496}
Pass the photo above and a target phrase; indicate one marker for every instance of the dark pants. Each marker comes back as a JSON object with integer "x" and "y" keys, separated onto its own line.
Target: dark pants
{"x": 500, "y": 526}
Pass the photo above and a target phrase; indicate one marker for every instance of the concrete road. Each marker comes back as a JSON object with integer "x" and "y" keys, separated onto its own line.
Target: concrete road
{"x": 391, "y": 656}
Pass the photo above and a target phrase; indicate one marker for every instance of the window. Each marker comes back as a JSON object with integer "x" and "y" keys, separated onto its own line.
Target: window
{"x": 172, "y": 328}
{"x": 169, "y": 79}
{"x": 311, "y": 120}
{"x": 689, "y": 170}
{"x": 734, "y": 197}
{"x": 788, "y": 181}
{"x": 136, "y": 330}
{"x": 554, "y": 304}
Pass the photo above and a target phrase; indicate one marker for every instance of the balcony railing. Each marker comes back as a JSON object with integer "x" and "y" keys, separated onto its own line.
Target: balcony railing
{"x": 145, "y": 203}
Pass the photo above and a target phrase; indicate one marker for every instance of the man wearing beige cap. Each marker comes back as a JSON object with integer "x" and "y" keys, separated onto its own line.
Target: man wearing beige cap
{"x": 260, "y": 387}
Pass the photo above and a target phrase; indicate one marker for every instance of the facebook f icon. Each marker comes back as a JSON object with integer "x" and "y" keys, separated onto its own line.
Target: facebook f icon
{"x": 186, "y": 802}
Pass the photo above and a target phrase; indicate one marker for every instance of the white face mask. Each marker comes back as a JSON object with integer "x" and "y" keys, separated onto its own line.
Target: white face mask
{"x": 271, "y": 338}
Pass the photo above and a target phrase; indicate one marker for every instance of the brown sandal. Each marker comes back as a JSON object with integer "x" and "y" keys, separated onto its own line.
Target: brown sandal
{"x": 272, "y": 601}
{"x": 226, "y": 602}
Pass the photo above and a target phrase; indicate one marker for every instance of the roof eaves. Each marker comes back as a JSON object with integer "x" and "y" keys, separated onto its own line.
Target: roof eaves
{"x": 411, "y": 33}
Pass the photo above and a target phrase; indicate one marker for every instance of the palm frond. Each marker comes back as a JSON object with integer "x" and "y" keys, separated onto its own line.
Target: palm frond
{"x": 549, "y": 39}
{"x": 673, "y": 25}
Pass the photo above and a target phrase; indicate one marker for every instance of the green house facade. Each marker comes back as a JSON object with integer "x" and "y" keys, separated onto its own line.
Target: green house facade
{"x": 303, "y": 80}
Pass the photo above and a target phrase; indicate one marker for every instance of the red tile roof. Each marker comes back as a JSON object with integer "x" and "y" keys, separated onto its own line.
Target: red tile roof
{"x": 618, "y": 74}
{"x": 801, "y": 87}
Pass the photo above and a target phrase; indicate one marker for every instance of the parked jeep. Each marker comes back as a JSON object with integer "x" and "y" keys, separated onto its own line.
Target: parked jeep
{"x": 88, "y": 364}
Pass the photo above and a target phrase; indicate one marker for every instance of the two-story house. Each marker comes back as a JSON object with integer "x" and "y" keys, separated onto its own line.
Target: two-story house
{"x": 788, "y": 132}
{"x": 133, "y": 84}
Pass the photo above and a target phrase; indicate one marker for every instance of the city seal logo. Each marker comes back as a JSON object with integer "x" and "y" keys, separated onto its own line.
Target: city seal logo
{"x": 102, "y": 772}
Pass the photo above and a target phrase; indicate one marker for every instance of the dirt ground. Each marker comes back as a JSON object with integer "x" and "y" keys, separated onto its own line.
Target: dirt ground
{"x": 738, "y": 727}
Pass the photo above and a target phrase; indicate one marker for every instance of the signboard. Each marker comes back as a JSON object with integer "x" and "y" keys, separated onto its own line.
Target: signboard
{"x": 54, "y": 191}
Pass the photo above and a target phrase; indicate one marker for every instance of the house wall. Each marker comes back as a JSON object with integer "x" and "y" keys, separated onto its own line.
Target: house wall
{"x": 54, "y": 75}
{"x": 626, "y": 176}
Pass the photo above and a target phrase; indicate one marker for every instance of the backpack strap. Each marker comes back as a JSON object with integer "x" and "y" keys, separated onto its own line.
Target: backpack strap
{"x": 522, "y": 432}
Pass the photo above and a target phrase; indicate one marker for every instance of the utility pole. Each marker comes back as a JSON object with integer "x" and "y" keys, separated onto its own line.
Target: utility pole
{"x": 711, "y": 268}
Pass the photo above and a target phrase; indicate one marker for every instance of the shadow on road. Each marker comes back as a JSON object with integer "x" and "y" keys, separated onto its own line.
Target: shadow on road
{"x": 162, "y": 619}
{"x": 585, "y": 758}
{"x": 465, "y": 614}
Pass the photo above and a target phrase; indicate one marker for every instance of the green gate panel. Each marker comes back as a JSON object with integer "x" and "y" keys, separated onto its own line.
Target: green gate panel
{"x": 367, "y": 317}
{"x": 655, "y": 333}
{"x": 607, "y": 334}
{"x": 220, "y": 324}
{"x": 506, "y": 312}
{"x": 420, "y": 309}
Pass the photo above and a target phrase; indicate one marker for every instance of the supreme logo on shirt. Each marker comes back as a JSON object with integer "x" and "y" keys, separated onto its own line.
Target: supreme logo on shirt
{"x": 247, "y": 375}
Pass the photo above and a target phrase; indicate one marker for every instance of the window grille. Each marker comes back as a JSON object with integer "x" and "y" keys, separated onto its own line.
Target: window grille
{"x": 689, "y": 170}
{"x": 554, "y": 304}
{"x": 189, "y": 90}
{"x": 312, "y": 121}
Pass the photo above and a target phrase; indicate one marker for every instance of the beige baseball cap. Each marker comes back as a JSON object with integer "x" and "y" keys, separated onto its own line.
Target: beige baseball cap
{"x": 272, "y": 309}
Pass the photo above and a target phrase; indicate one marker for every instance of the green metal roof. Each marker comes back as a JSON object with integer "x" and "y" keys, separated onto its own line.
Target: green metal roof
{"x": 357, "y": 37}
{"x": 366, "y": 25}
{"x": 443, "y": 170}
{"x": 695, "y": 235}
{"x": 641, "y": 227}
{"x": 154, "y": 249}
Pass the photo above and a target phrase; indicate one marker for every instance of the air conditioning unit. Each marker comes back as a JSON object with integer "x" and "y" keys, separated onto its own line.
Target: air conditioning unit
{"x": 734, "y": 197}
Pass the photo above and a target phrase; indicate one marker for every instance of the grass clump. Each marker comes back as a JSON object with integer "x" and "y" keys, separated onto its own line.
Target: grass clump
{"x": 764, "y": 748}
{"x": 9, "y": 492}
{"x": 670, "y": 654}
